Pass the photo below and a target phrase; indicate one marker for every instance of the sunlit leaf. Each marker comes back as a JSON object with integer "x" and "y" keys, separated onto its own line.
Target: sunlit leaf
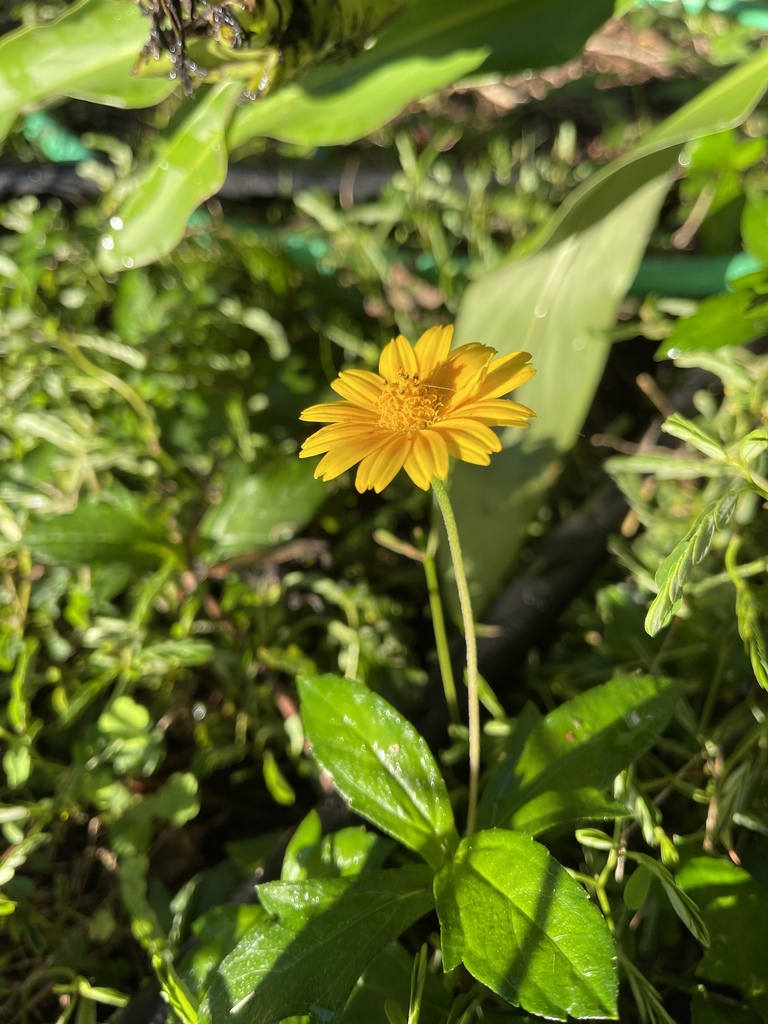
{"x": 282, "y": 967}
{"x": 522, "y": 926}
{"x": 189, "y": 167}
{"x": 87, "y": 53}
{"x": 379, "y": 764}
{"x": 555, "y": 772}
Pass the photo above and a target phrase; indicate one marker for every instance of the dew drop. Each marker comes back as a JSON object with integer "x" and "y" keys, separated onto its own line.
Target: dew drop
{"x": 540, "y": 312}
{"x": 127, "y": 262}
{"x": 116, "y": 223}
{"x": 107, "y": 243}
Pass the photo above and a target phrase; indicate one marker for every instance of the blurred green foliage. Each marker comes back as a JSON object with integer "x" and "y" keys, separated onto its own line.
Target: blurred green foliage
{"x": 168, "y": 568}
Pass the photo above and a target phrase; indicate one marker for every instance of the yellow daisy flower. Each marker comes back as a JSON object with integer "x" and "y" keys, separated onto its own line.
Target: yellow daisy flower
{"x": 425, "y": 404}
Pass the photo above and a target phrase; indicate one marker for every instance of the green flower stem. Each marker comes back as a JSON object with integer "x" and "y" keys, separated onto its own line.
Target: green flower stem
{"x": 441, "y": 494}
{"x": 438, "y": 625}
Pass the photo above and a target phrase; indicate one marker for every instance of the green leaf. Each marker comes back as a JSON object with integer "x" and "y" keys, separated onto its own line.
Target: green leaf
{"x": 682, "y": 904}
{"x": 735, "y": 910}
{"x": 678, "y": 426}
{"x": 262, "y": 510}
{"x": 434, "y": 43}
{"x": 675, "y": 571}
{"x": 310, "y": 854}
{"x": 720, "y": 320}
{"x": 523, "y": 927}
{"x": 379, "y": 764}
{"x": 663, "y": 467}
{"x": 309, "y": 960}
{"x": 555, "y": 771}
{"x": 124, "y": 719}
{"x": 88, "y": 53}
{"x": 558, "y": 303}
{"x": 189, "y": 168}
{"x": 754, "y": 225}
{"x": 100, "y": 531}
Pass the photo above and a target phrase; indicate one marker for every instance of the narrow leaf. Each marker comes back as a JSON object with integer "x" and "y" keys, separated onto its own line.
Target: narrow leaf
{"x": 189, "y": 168}
{"x": 556, "y": 774}
{"x": 379, "y": 764}
{"x": 682, "y": 428}
{"x": 675, "y": 571}
{"x": 523, "y": 927}
{"x": 433, "y": 43}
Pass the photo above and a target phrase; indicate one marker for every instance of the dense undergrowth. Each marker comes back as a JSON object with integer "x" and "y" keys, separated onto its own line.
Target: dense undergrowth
{"x": 169, "y": 569}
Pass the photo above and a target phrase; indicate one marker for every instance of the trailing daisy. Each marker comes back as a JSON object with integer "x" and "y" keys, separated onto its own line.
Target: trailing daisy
{"x": 425, "y": 404}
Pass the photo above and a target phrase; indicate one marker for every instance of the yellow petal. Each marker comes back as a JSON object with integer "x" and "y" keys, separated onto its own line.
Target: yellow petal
{"x": 506, "y": 374}
{"x": 428, "y": 459}
{"x": 380, "y": 468}
{"x": 359, "y": 386}
{"x": 340, "y": 459}
{"x": 338, "y": 412}
{"x": 462, "y": 371}
{"x": 398, "y": 357}
{"x": 497, "y": 412}
{"x": 432, "y": 350}
{"x": 468, "y": 440}
{"x": 337, "y": 434}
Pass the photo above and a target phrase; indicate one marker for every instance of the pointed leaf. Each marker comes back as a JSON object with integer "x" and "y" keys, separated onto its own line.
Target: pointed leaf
{"x": 100, "y": 531}
{"x": 433, "y": 43}
{"x": 681, "y": 902}
{"x": 379, "y": 764}
{"x": 675, "y": 571}
{"x": 523, "y": 927}
{"x": 735, "y": 910}
{"x": 557, "y": 772}
{"x": 264, "y": 508}
{"x": 189, "y": 168}
{"x": 87, "y": 53}
{"x": 559, "y": 303}
{"x": 678, "y": 426}
{"x": 281, "y": 968}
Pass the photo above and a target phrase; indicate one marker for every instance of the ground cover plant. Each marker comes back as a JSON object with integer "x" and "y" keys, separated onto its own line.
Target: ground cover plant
{"x": 242, "y": 775}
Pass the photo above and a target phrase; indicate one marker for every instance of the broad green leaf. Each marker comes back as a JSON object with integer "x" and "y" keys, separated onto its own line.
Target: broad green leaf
{"x": 188, "y": 168}
{"x": 675, "y": 571}
{"x": 556, "y": 771}
{"x": 678, "y": 426}
{"x": 720, "y": 320}
{"x": 735, "y": 910}
{"x": 379, "y": 763}
{"x": 432, "y": 44}
{"x": 522, "y": 926}
{"x": 328, "y": 932}
{"x": 263, "y": 509}
{"x": 87, "y": 53}
{"x": 99, "y": 531}
{"x": 218, "y": 930}
{"x": 558, "y": 303}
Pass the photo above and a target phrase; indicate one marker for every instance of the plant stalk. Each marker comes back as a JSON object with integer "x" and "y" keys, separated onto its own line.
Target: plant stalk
{"x": 470, "y": 638}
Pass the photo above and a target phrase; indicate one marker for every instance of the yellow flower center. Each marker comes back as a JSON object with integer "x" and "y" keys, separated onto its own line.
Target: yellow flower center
{"x": 407, "y": 405}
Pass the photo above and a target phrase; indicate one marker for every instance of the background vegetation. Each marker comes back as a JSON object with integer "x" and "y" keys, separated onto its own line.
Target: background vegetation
{"x": 170, "y": 569}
